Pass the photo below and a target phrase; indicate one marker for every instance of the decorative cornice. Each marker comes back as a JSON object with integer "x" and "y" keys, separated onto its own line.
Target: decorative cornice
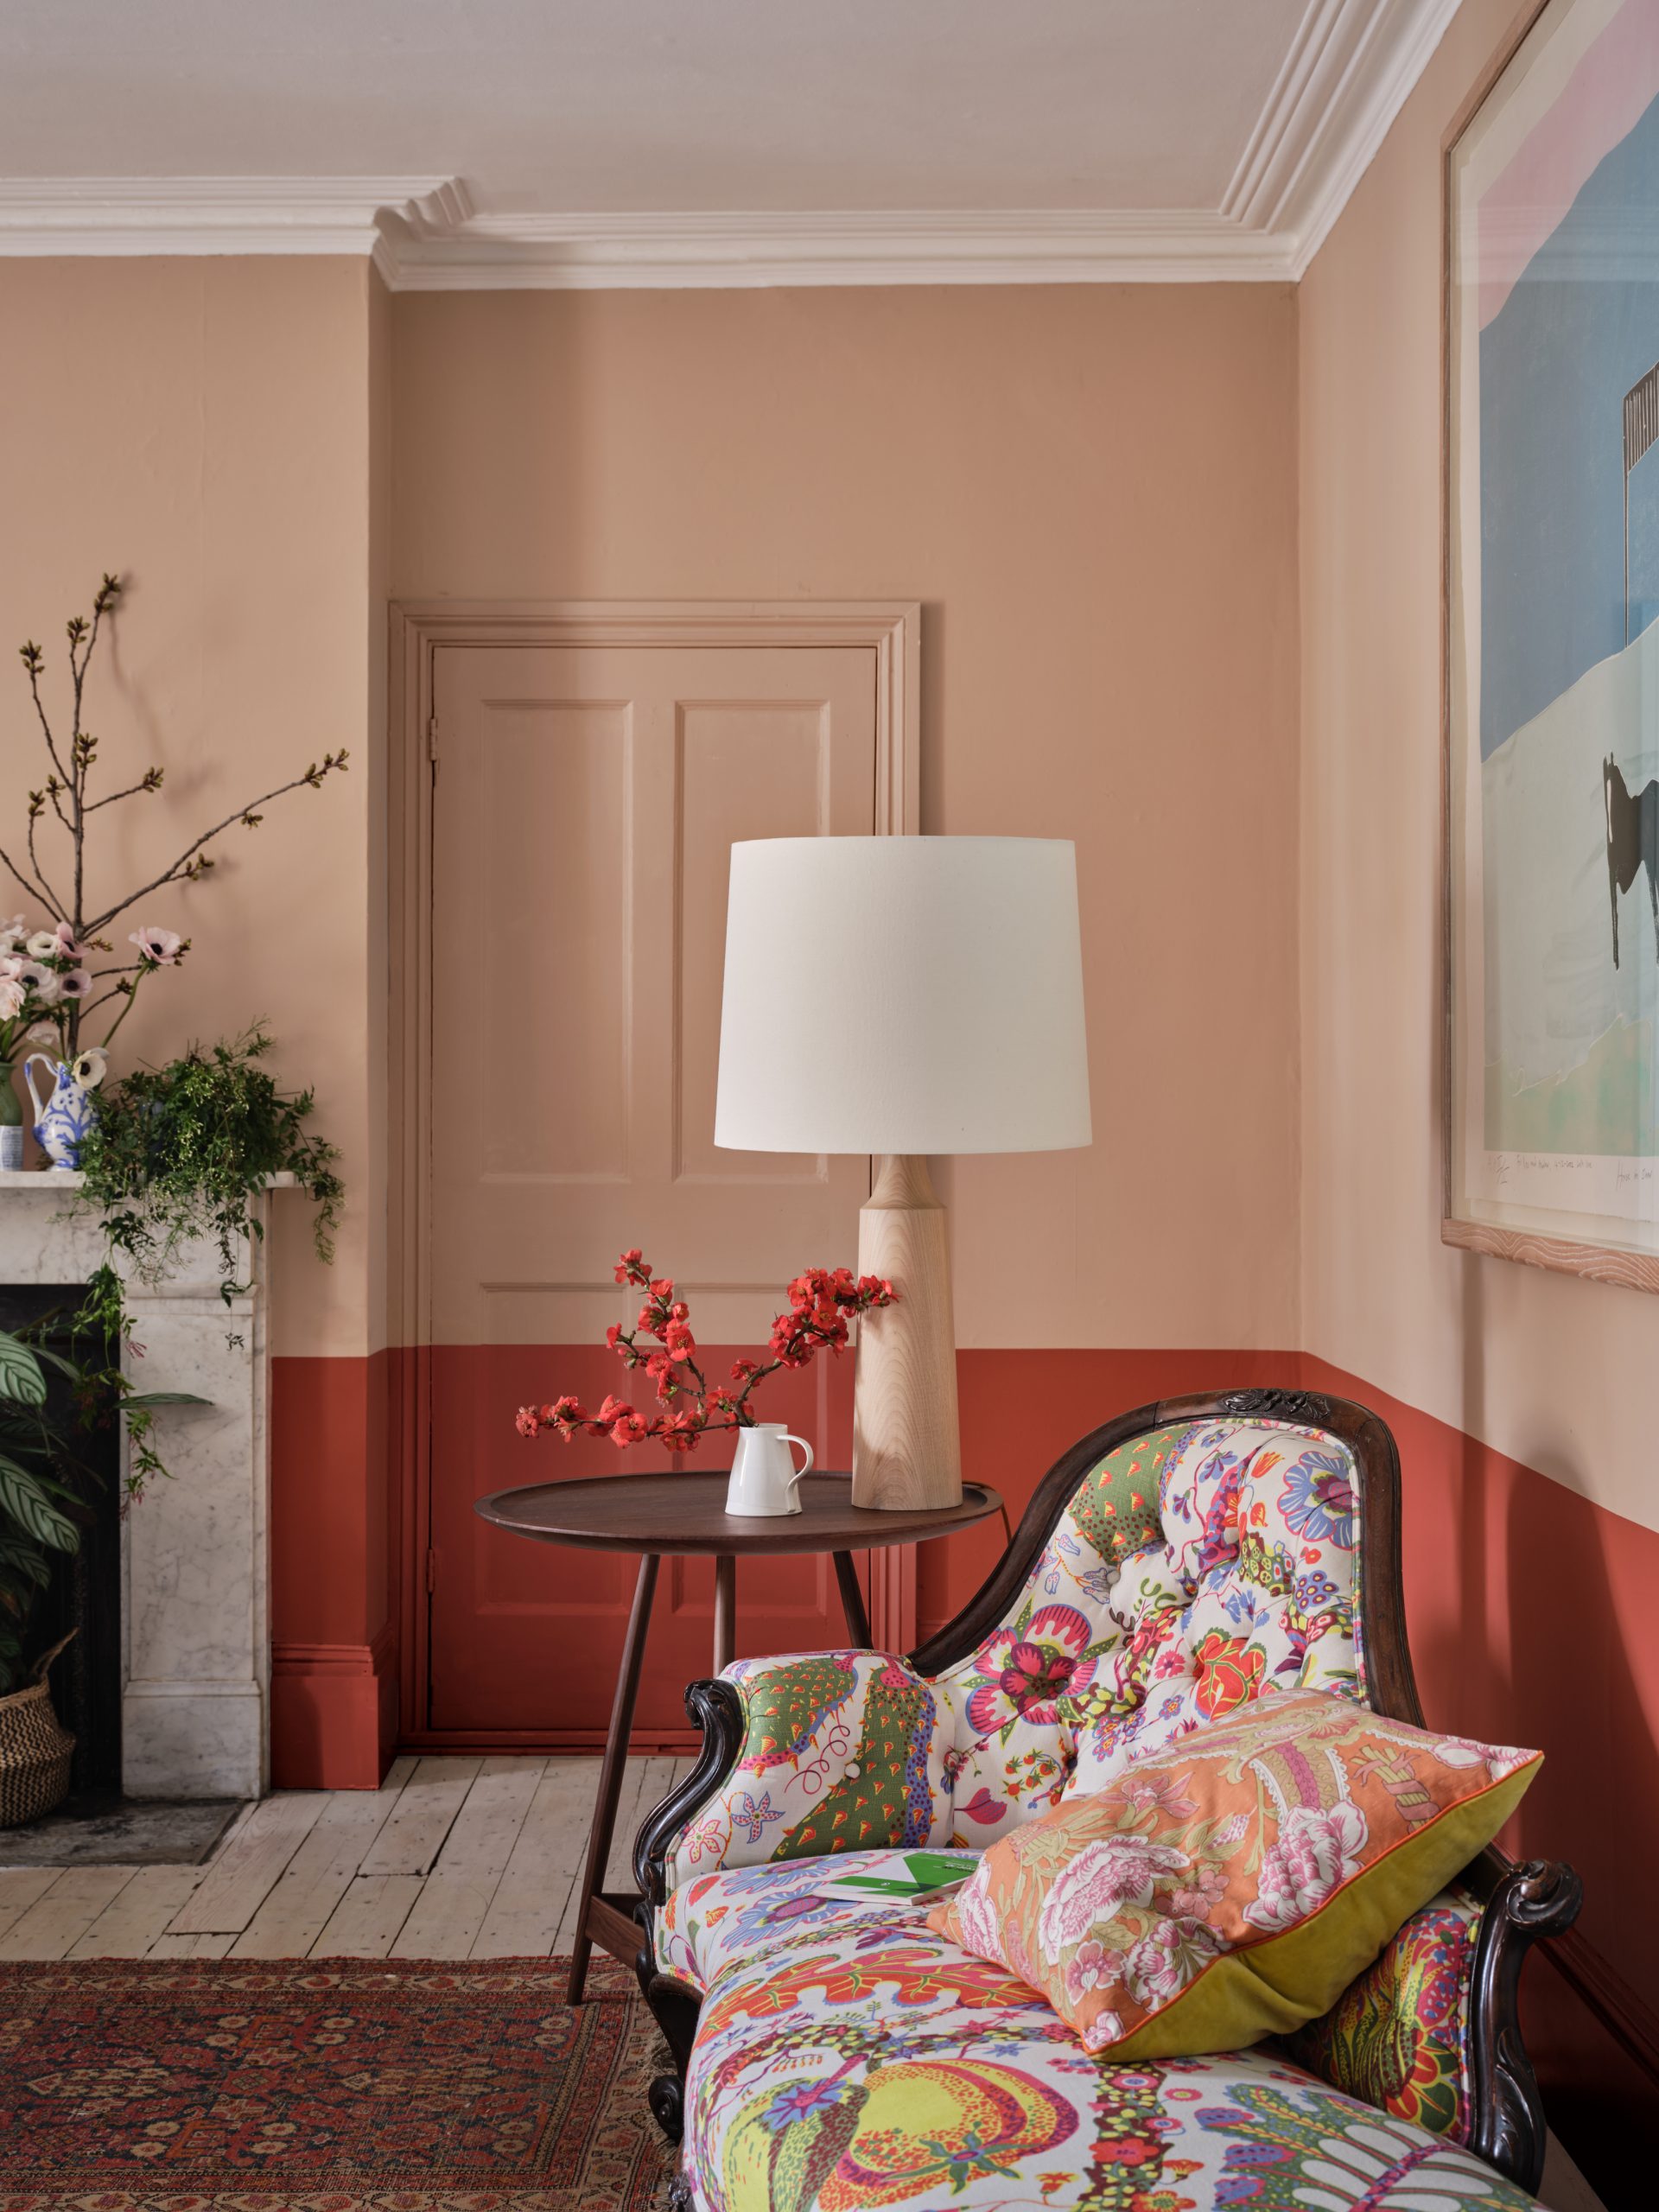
{"x": 886, "y": 246}
{"x": 1350, "y": 70}
{"x": 88, "y": 215}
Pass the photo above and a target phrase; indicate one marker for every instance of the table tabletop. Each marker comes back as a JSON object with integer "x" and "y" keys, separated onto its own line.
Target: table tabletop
{"x": 686, "y": 1513}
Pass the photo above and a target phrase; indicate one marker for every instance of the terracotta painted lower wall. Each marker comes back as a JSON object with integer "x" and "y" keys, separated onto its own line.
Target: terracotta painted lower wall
{"x": 335, "y": 1540}
{"x": 1533, "y": 1620}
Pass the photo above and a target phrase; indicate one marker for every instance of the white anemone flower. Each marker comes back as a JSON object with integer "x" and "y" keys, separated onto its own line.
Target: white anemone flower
{"x": 160, "y": 947}
{"x": 11, "y": 931}
{"x": 12, "y": 995}
{"x": 75, "y": 983}
{"x": 43, "y": 1032}
{"x": 43, "y": 945}
{"x": 33, "y": 977}
{"x": 90, "y": 1069}
{"x": 51, "y": 991}
{"x": 65, "y": 946}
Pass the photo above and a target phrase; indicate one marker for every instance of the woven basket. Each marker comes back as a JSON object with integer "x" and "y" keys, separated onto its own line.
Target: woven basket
{"x": 36, "y": 1748}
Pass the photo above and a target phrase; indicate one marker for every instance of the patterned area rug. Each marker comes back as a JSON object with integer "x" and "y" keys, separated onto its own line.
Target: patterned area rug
{"x": 327, "y": 2084}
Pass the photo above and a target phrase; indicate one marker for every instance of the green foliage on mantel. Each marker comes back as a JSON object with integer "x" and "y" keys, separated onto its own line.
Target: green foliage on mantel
{"x": 177, "y": 1153}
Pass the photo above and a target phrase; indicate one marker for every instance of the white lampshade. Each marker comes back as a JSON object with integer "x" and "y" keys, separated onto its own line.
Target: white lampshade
{"x": 903, "y": 995}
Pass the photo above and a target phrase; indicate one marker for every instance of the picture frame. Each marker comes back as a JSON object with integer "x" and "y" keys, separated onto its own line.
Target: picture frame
{"x": 1550, "y": 646}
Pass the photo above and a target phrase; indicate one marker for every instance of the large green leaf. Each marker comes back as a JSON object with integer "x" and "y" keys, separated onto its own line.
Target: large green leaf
{"x": 163, "y": 1398}
{"x": 20, "y": 1372}
{"x": 20, "y": 1556}
{"x": 25, "y": 1499}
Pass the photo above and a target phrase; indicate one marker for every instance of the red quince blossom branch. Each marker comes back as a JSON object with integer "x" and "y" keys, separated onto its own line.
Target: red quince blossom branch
{"x": 822, "y": 1302}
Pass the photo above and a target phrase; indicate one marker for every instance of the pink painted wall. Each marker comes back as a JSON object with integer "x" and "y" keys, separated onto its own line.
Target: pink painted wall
{"x": 1522, "y": 1401}
{"x": 1548, "y": 1369}
{"x": 204, "y": 426}
{"x": 1092, "y": 489}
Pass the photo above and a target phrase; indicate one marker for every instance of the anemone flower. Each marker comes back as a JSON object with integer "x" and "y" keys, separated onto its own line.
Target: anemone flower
{"x": 90, "y": 1069}
{"x": 75, "y": 983}
{"x": 33, "y": 977}
{"x": 43, "y": 945}
{"x": 160, "y": 947}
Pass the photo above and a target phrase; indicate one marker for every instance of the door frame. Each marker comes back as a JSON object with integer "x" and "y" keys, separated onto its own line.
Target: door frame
{"x": 417, "y": 629}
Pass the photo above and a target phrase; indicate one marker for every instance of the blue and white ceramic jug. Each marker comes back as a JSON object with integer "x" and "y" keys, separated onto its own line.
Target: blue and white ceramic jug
{"x": 64, "y": 1117}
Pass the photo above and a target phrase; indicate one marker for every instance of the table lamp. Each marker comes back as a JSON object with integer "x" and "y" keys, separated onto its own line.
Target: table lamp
{"x": 902, "y": 996}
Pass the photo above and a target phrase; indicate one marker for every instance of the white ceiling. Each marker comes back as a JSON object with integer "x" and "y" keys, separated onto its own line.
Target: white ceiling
{"x": 632, "y": 130}
{"x": 581, "y": 105}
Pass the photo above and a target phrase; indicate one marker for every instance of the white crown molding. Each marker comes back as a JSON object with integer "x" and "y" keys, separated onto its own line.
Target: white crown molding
{"x": 887, "y": 246}
{"x": 82, "y": 215}
{"x": 1347, "y": 74}
{"x": 1350, "y": 70}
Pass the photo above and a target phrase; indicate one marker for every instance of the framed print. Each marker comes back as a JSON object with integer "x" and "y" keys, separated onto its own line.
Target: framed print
{"x": 1552, "y": 648}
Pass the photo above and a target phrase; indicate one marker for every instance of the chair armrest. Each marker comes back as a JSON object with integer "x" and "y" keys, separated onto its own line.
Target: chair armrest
{"x": 1431, "y": 2031}
{"x": 803, "y": 1756}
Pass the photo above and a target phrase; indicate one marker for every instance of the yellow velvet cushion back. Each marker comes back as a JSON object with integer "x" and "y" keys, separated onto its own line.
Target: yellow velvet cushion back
{"x": 1232, "y": 1886}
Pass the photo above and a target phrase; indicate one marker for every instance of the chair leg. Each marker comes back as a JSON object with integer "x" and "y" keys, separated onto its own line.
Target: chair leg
{"x": 675, "y": 2006}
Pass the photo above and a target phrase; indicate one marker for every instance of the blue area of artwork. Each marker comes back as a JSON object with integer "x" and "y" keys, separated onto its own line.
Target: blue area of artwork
{"x": 1555, "y": 364}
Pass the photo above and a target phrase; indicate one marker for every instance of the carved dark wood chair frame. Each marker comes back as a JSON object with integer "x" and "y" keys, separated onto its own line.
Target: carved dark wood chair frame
{"x": 1524, "y": 1903}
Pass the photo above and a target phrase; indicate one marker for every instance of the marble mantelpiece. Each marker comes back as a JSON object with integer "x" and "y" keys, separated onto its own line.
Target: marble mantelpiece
{"x": 195, "y": 1628}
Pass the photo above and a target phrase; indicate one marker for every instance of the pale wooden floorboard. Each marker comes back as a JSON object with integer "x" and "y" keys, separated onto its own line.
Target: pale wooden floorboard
{"x": 450, "y": 1858}
{"x": 366, "y": 1921}
{"x": 654, "y": 1779}
{"x": 249, "y": 1866}
{"x": 208, "y": 1945}
{"x": 139, "y": 1913}
{"x": 457, "y": 1894}
{"x": 427, "y": 1805}
{"x": 61, "y": 1915}
{"x": 19, "y": 1887}
{"x": 528, "y": 1905}
{"x": 297, "y": 1910}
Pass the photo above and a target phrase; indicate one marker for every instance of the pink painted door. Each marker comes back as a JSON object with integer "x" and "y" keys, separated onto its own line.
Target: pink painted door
{"x": 586, "y": 801}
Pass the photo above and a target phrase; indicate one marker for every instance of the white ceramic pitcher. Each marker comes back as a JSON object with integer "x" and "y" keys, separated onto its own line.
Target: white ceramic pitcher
{"x": 764, "y": 1478}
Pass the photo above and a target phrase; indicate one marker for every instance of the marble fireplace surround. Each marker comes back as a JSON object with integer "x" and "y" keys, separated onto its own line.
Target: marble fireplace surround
{"x": 195, "y": 1628}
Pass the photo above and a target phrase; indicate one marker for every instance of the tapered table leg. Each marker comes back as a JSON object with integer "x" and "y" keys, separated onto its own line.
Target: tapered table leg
{"x": 725, "y": 1610}
{"x": 852, "y": 1602}
{"x": 611, "y": 1771}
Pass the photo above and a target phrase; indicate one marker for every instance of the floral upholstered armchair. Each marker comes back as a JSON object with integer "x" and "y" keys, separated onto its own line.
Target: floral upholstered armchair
{"x": 835, "y": 2052}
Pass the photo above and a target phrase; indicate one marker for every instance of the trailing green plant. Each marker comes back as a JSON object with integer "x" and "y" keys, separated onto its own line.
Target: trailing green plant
{"x": 176, "y": 1153}
{"x": 36, "y": 1503}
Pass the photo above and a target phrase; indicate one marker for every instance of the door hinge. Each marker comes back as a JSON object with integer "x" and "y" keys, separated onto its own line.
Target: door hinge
{"x": 431, "y": 1571}
{"x": 432, "y": 742}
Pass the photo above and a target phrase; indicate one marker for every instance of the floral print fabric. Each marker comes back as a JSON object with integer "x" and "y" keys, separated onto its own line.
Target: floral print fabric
{"x": 718, "y": 1920}
{"x": 1169, "y": 1911}
{"x": 874, "y": 2065}
{"x": 1193, "y": 1569}
{"x": 843, "y": 1750}
{"x": 1399, "y": 2034}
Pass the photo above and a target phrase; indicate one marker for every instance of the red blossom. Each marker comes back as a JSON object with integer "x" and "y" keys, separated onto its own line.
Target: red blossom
{"x": 822, "y": 1301}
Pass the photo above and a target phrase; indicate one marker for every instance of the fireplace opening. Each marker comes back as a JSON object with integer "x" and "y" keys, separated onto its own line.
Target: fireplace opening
{"x": 84, "y": 1593}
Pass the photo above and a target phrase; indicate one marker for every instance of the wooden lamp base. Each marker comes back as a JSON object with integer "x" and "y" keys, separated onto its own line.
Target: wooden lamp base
{"x": 906, "y": 1445}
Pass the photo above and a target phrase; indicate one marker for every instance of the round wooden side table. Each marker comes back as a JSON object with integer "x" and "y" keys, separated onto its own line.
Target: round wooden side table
{"x": 667, "y": 1515}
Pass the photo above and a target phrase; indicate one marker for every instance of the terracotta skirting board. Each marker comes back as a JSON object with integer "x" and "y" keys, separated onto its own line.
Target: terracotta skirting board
{"x": 333, "y": 1712}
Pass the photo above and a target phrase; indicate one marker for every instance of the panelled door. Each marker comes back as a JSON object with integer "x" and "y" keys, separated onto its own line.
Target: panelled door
{"x": 585, "y": 802}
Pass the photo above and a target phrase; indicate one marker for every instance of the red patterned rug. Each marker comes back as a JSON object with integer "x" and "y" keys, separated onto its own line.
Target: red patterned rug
{"x": 327, "y": 2084}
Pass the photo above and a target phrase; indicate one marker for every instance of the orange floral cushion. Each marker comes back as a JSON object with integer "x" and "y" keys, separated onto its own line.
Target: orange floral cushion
{"x": 1232, "y": 1886}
